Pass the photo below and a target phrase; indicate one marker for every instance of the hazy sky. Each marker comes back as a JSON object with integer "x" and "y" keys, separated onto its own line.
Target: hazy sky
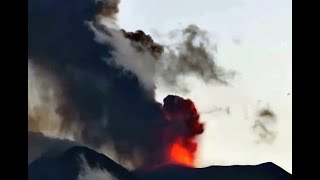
{"x": 254, "y": 37}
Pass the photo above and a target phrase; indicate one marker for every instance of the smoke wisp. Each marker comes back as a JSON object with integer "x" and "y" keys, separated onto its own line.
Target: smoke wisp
{"x": 264, "y": 125}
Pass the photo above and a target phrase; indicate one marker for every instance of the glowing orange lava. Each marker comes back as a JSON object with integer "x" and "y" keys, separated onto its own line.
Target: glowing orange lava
{"x": 182, "y": 155}
{"x": 183, "y": 126}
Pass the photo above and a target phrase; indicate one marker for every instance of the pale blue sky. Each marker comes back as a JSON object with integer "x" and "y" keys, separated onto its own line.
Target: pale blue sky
{"x": 263, "y": 59}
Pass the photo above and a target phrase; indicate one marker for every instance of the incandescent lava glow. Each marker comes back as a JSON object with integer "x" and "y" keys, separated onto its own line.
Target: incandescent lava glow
{"x": 183, "y": 127}
{"x": 181, "y": 154}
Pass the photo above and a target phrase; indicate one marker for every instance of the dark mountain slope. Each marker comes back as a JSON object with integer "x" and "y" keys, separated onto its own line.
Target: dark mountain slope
{"x": 265, "y": 171}
{"x": 68, "y": 166}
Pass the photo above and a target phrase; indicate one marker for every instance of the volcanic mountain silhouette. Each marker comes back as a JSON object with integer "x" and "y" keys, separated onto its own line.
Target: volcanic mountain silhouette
{"x": 68, "y": 166}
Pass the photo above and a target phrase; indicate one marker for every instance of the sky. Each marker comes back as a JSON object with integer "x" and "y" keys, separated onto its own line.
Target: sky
{"x": 254, "y": 38}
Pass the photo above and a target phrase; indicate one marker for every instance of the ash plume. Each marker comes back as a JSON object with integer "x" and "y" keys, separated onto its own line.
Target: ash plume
{"x": 91, "y": 82}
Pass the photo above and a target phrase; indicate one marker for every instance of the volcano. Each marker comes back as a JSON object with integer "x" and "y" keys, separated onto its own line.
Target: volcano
{"x": 67, "y": 166}
{"x": 96, "y": 83}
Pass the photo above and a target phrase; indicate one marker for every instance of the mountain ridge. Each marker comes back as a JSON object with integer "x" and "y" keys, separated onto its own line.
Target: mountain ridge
{"x": 69, "y": 165}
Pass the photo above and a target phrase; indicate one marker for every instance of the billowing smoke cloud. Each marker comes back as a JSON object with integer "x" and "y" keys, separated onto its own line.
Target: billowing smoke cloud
{"x": 264, "y": 125}
{"x": 96, "y": 102}
{"x": 95, "y": 82}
